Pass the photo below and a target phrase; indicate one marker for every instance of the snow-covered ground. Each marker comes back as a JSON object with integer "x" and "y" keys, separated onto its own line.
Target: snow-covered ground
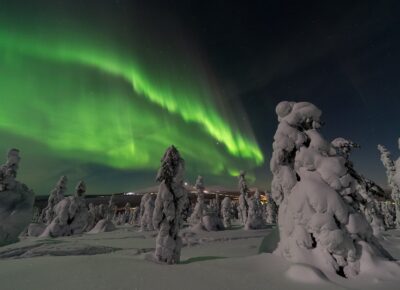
{"x": 210, "y": 260}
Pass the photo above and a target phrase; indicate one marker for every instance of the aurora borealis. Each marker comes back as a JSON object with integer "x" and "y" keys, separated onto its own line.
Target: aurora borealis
{"x": 97, "y": 89}
{"x": 84, "y": 97}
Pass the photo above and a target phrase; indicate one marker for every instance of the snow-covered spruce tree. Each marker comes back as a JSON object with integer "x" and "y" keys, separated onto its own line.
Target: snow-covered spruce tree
{"x": 393, "y": 176}
{"x": 271, "y": 211}
{"x": 255, "y": 216}
{"x": 71, "y": 215}
{"x": 320, "y": 221}
{"x": 196, "y": 218}
{"x": 226, "y": 212}
{"x": 16, "y": 201}
{"x": 171, "y": 199}
{"x": 244, "y": 195}
{"x": 56, "y": 195}
{"x": 146, "y": 221}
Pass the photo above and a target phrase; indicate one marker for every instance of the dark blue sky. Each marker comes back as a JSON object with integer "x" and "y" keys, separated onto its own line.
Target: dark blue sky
{"x": 343, "y": 56}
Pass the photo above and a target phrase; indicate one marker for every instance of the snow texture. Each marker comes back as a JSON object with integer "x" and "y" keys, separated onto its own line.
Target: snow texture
{"x": 320, "y": 219}
{"x": 16, "y": 201}
{"x": 170, "y": 202}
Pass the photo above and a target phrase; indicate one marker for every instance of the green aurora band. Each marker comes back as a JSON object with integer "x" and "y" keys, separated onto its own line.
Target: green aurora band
{"x": 90, "y": 101}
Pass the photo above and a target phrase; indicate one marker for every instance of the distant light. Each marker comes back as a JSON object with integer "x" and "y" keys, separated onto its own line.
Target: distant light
{"x": 186, "y": 183}
{"x": 205, "y": 191}
{"x": 130, "y": 193}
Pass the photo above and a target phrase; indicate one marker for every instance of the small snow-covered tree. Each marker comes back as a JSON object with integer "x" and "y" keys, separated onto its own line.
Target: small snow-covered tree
{"x": 367, "y": 189}
{"x": 318, "y": 193}
{"x": 392, "y": 173}
{"x": 196, "y": 218}
{"x": 255, "y": 217}
{"x": 101, "y": 212}
{"x": 226, "y": 212}
{"x": 16, "y": 201}
{"x": 91, "y": 219}
{"x": 243, "y": 197}
{"x": 170, "y": 201}
{"x": 146, "y": 221}
{"x": 127, "y": 213}
{"x": 56, "y": 195}
{"x": 112, "y": 208}
{"x": 211, "y": 219}
{"x": 271, "y": 211}
{"x": 205, "y": 217}
{"x": 71, "y": 215}
{"x": 78, "y": 212}
{"x": 107, "y": 215}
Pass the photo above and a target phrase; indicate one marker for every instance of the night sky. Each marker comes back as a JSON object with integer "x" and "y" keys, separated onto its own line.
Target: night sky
{"x": 97, "y": 90}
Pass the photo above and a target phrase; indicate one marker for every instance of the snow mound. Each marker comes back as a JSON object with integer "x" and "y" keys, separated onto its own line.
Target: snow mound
{"x": 55, "y": 249}
{"x": 306, "y": 274}
{"x": 104, "y": 225}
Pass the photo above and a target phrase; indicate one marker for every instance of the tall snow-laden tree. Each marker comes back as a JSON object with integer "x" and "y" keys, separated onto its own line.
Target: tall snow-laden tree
{"x": 16, "y": 201}
{"x": 170, "y": 201}
{"x": 393, "y": 176}
{"x": 320, "y": 219}
{"x": 243, "y": 197}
